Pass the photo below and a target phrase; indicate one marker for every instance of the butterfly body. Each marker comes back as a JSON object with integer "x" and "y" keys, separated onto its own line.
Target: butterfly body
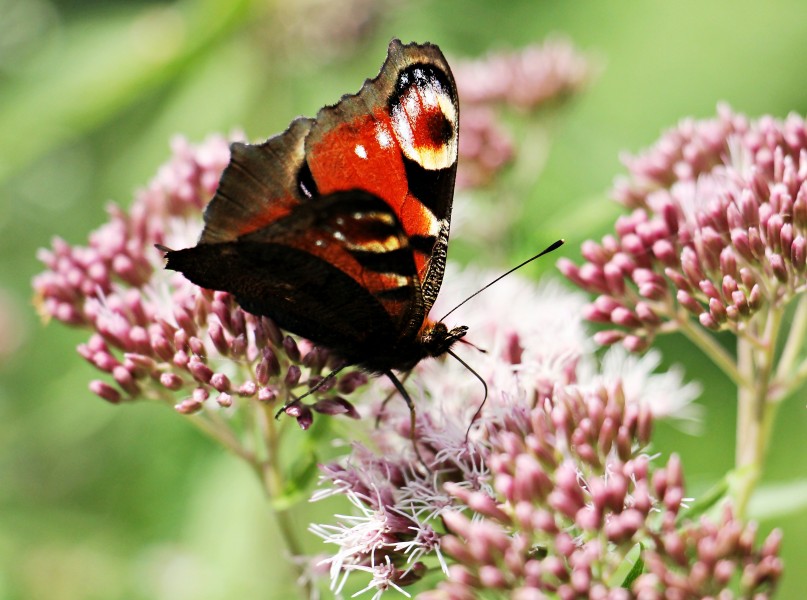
{"x": 337, "y": 229}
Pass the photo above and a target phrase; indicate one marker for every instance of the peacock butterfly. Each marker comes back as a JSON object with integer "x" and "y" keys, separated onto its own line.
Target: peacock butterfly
{"x": 337, "y": 228}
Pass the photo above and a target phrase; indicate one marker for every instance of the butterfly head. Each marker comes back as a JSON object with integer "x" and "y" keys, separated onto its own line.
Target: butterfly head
{"x": 437, "y": 338}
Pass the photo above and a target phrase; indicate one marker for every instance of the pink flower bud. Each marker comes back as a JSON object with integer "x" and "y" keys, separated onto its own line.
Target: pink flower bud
{"x": 123, "y": 377}
{"x": 199, "y": 370}
{"x": 777, "y": 264}
{"x": 220, "y": 382}
{"x": 708, "y": 321}
{"x": 293, "y": 375}
{"x": 291, "y": 349}
{"x": 105, "y": 391}
{"x": 607, "y": 338}
{"x": 172, "y": 381}
{"x": 635, "y": 343}
{"x": 336, "y": 406}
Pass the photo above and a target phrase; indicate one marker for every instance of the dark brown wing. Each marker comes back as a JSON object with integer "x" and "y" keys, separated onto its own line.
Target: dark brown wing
{"x": 339, "y": 272}
{"x": 261, "y": 185}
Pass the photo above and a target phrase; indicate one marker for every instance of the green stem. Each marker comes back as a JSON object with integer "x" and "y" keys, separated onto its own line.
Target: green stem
{"x": 795, "y": 342}
{"x": 754, "y": 410}
{"x": 223, "y": 435}
{"x": 703, "y": 340}
{"x": 267, "y": 468}
{"x": 271, "y": 475}
{"x": 748, "y": 432}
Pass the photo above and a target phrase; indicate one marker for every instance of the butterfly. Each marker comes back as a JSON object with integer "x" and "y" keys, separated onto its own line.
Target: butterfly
{"x": 337, "y": 228}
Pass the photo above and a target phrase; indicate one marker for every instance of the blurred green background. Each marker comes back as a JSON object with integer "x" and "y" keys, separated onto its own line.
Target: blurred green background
{"x": 106, "y": 502}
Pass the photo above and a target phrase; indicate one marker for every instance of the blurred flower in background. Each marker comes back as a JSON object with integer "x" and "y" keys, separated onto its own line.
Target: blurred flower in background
{"x": 522, "y": 80}
{"x": 507, "y": 105}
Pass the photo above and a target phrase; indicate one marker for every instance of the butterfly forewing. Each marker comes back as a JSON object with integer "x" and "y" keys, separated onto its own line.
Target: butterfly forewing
{"x": 399, "y": 136}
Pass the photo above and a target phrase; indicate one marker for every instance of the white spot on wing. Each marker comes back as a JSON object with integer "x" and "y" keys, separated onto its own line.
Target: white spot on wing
{"x": 360, "y": 151}
{"x": 383, "y": 136}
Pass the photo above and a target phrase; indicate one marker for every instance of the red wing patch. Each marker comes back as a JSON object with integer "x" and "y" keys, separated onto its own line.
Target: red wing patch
{"x": 397, "y": 138}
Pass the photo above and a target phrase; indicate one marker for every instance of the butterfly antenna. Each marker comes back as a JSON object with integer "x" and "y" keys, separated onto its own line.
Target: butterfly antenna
{"x": 474, "y": 346}
{"x": 485, "y": 399}
{"x": 551, "y": 248}
{"x": 402, "y": 390}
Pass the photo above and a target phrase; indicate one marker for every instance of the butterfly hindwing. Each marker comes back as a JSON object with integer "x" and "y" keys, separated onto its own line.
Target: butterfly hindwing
{"x": 336, "y": 271}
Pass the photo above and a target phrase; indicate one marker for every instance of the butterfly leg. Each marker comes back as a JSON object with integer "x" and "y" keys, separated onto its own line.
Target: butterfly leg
{"x": 387, "y": 399}
{"x": 402, "y": 390}
{"x": 318, "y": 385}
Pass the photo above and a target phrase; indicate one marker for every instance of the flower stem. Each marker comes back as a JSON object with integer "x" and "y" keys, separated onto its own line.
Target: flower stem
{"x": 755, "y": 412}
{"x": 748, "y": 432}
{"x": 714, "y": 351}
{"x": 219, "y": 432}
{"x": 271, "y": 475}
{"x": 794, "y": 344}
{"x": 268, "y": 470}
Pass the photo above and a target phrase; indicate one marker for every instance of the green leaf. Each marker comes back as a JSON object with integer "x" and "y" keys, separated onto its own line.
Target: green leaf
{"x": 703, "y": 504}
{"x": 778, "y": 500}
{"x": 298, "y": 482}
{"x": 630, "y": 568}
{"x": 105, "y": 66}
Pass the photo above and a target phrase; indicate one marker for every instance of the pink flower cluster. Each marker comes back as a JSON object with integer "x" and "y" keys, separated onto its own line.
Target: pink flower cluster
{"x": 525, "y": 80}
{"x": 157, "y": 335}
{"x": 573, "y": 496}
{"x": 718, "y": 230}
{"x": 552, "y": 492}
